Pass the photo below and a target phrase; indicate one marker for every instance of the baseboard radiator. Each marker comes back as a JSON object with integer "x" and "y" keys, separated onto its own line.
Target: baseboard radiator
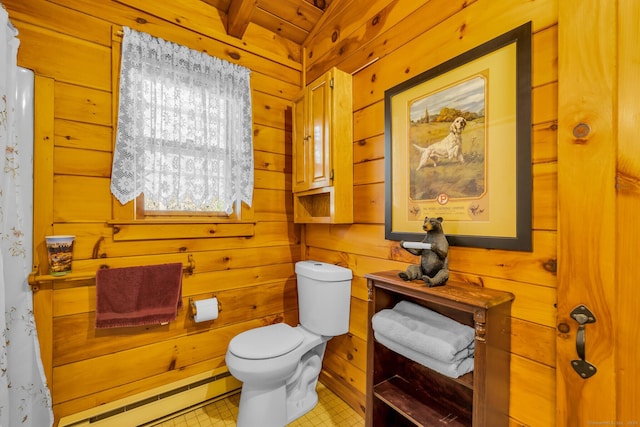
{"x": 158, "y": 403}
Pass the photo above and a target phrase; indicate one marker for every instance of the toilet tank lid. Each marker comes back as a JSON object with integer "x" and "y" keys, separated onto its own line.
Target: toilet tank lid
{"x": 266, "y": 342}
{"x": 322, "y": 271}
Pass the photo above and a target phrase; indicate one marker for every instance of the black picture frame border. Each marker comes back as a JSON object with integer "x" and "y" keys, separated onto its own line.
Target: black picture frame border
{"x": 521, "y": 36}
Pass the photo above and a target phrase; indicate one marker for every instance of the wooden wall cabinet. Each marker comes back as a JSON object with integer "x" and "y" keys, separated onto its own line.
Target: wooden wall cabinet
{"x": 401, "y": 392}
{"x": 323, "y": 151}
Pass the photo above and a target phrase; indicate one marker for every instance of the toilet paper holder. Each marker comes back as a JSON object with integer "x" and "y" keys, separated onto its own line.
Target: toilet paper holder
{"x": 194, "y": 310}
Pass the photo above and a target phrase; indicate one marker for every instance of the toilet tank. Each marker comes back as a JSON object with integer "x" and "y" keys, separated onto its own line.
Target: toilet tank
{"x": 324, "y": 297}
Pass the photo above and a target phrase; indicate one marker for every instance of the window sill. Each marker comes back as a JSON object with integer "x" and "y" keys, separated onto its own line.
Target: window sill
{"x": 180, "y": 228}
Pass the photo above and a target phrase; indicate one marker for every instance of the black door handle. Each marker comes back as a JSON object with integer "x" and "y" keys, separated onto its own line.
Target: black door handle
{"x": 583, "y": 316}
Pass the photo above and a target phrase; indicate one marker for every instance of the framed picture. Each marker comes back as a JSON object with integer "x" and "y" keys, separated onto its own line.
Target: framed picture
{"x": 458, "y": 146}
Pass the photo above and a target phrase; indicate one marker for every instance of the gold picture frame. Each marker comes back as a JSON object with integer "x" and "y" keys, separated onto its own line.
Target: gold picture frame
{"x": 458, "y": 146}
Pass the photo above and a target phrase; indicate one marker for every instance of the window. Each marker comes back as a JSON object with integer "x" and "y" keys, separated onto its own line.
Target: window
{"x": 184, "y": 139}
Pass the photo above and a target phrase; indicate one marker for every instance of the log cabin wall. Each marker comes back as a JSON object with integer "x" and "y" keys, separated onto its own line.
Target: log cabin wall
{"x": 382, "y": 44}
{"x": 69, "y": 45}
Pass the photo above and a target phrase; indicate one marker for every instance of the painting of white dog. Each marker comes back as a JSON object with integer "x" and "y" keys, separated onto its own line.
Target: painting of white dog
{"x": 448, "y": 148}
{"x": 447, "y": 142}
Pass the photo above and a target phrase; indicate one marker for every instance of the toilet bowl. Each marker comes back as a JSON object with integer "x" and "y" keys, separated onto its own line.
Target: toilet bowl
{"x": 279, "y": 364}
{"x": 265, "y": 380}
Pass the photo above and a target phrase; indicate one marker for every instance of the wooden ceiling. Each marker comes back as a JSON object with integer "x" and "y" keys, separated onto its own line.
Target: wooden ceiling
{"x": 291, "y": 19}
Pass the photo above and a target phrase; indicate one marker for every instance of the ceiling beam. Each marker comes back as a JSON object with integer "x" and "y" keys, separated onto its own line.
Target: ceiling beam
{"x": 239, "y": 16}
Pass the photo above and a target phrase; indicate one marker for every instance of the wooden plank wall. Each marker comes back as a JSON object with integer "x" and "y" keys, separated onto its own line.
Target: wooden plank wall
{"x": 384, "y": 43}
{"x": 68, "y": 43}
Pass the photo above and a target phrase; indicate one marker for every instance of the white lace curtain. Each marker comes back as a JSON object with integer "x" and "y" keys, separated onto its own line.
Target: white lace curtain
{"x": 184, "y": 133}
{"x": 24, "y": 397}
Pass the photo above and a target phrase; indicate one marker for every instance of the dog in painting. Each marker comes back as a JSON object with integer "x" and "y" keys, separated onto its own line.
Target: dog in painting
{"x": 448, "y": 148}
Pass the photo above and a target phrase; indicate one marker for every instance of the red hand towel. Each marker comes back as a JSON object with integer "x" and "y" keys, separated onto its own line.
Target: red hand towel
{"x": 133, "y": 296}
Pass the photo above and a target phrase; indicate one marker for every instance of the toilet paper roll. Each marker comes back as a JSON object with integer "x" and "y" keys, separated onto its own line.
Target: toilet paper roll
{"x": 416, "y": 245}
{"x": 206, "y": 309}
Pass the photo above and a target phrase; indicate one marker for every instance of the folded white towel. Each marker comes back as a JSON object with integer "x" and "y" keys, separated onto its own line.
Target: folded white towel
{"x": 425, "y": 331}
{"x": 453, "y": 369}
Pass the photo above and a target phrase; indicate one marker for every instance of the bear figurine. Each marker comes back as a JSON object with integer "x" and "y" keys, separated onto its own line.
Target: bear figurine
{"x": 434, "y": 262}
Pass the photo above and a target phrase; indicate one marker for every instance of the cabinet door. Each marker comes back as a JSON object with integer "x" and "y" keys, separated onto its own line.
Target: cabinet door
{"x": 300, "y": 144}
{"x": 319, "y": 95}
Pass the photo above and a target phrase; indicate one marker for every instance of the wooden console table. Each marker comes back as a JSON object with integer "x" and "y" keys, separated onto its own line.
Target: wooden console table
{"x": 401, "y": 392}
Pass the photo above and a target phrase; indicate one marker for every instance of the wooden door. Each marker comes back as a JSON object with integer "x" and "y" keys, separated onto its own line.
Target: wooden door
{"x": 300, "y": 143}
{"x": 598, "y": 208}
{"x": 319, "y": 93}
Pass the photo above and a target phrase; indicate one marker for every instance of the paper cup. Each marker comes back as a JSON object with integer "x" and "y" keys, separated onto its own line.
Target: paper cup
{"x": 60, "y": 249}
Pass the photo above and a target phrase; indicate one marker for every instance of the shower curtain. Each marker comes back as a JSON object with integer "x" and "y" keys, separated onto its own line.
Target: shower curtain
{"x": 24, "y": 397}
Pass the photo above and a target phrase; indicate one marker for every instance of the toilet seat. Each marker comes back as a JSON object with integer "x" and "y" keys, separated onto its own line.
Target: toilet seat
{"x": 266, "y": 342}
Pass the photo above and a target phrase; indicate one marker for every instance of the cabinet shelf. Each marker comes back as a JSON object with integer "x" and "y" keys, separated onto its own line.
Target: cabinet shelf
{"x": 313, "y": 206}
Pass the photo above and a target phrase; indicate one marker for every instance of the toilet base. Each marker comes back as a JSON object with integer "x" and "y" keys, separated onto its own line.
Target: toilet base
{"x": 262, "y": 407}
{"x": 301, "y": 387}
{"x": 271, "y": 408}
{"x": 296, "y": 409}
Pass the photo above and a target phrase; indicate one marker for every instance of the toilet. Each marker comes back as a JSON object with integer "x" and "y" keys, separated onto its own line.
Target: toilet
{"x": 279, "y": 364}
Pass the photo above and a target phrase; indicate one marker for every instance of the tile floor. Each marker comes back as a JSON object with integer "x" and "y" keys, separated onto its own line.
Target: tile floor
{"x": 331, "y": 411}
